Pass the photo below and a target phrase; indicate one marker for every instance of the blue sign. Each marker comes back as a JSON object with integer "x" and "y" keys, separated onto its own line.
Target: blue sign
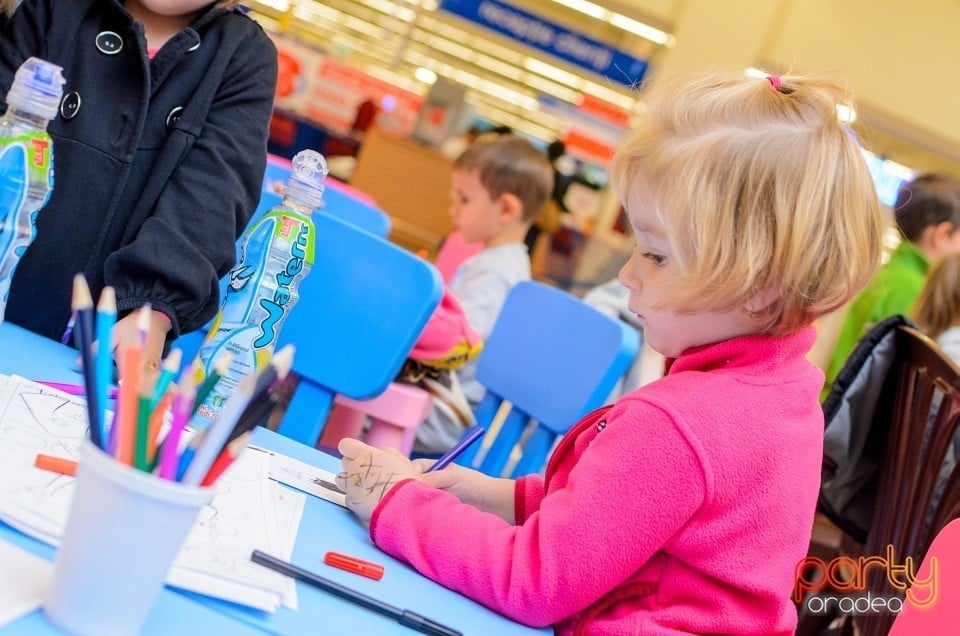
{"x": 580, "y": 50}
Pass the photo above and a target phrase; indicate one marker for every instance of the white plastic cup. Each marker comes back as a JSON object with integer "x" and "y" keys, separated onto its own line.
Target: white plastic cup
{"x": 124, "y": 530}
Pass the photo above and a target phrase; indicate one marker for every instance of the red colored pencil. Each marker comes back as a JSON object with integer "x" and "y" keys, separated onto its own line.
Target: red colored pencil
{"x": 225, "y": 458}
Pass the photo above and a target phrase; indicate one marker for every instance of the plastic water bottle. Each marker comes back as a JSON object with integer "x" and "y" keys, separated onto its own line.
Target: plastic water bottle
{"x": 26, "y": 160}
{"x": 277, "y": 254}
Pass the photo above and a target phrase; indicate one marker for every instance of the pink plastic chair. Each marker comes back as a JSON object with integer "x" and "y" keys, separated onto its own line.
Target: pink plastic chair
{"x": 453, "y": 252}
{"x": 394, "y": 417}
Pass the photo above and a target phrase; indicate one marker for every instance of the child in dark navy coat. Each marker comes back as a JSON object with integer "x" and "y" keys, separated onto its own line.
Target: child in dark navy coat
{"x": 160, "y": 149}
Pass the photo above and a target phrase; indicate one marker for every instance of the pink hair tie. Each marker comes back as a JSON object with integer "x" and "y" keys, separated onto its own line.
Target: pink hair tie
{"x": 775, "y": 82}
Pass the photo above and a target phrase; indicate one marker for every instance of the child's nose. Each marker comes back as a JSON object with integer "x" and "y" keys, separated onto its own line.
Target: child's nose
{"x": 627, "y": 278}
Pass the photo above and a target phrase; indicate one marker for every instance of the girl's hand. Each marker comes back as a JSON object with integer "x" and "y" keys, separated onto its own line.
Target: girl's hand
{"x": 369, "y": 473}
{"x": 126, "y": 334}
{"x": 472, "y": 487}
{"x": 463, "y": 483}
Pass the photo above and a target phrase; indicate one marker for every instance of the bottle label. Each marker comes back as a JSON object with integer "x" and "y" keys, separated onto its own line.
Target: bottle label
{"x": 277, "y": 253}
{"x": 26, "y": 181}
{"x": 275, "y": 307}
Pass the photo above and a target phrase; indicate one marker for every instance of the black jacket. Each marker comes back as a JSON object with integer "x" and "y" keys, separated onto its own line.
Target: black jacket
{"x": 158, "y": 163}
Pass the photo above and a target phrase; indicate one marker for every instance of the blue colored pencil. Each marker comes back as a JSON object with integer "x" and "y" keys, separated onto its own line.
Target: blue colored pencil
{"x": 103, "y": 363}
{"x": 83, "y": 308}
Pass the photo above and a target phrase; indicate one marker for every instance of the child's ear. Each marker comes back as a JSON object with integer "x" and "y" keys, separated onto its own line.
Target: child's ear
{"x": 511, "y": 208}
{"x": 763, "y": 299}
{"x": 941, "y": 233}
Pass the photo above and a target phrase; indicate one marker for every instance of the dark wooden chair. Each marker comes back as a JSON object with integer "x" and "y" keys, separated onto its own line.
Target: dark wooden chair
{"x": 919, "y": 408}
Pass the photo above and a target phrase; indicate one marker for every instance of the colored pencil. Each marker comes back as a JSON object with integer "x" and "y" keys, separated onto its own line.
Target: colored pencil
{"x": 144, "y": 409}
{"x": 168, "y": 371}
{"x": 68, "y": 332}
{"x": 225, "y": 458}
{"x": 156, "y": 422}
{"x": 82, "y": 306}
{"x": 56, "y": 464}
{"x": 256, "y": 414}
{"x": 276, "y": 370}
{"x": 211, "y": 442}
{"x": 182, "y": 408}
{"x": 220, "y": 367}
{"x": 103, "y": 361}
{"x": 143, "y": 323}
{"x": 73, "y": 389}
{"x": 263, "y": 400}
{"x": 125, "y": 419}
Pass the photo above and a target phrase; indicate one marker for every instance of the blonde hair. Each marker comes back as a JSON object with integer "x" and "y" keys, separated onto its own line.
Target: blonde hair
{"x": 938, "y": 307}
{"x": 764, "y": 192}
{"x": 508, "y": 164}
{"x": 7, "y": 7}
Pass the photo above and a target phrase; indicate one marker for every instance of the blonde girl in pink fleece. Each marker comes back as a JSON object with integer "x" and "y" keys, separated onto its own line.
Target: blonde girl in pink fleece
{"x": 685, "y": 506}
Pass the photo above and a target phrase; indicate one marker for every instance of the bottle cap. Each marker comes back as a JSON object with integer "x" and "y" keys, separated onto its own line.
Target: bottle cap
{"x": 305, "y": 185}
{"x": 353, "y": 564}
{"x": 37, "y": 88}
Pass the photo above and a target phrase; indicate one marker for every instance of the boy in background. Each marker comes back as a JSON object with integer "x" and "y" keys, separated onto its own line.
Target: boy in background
{"x": 499, "y": 186}
{"x": 927, "y": 214}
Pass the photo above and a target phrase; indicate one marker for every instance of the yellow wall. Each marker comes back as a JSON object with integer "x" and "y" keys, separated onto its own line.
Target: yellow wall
{"x": 898, "y": 56}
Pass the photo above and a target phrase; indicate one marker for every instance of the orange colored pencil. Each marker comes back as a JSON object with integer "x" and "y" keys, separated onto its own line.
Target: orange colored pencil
{"x": 56, "y": 464}
{"x": 128, "y": 403}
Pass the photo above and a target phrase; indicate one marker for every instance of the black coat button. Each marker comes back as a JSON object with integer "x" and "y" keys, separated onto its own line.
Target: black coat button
{"x": 70, "y": 105}
{"x": 174, "y": 116}
{"x": 109, "y": 43}
{"x": 193, "y": 48}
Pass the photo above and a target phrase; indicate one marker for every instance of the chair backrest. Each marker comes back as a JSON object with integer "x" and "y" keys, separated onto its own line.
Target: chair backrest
{"x": 554, "y": 359}
{"x": 361, "y": 309}
{"x": 920, "y": 407}
{"x": 452, "y": 252}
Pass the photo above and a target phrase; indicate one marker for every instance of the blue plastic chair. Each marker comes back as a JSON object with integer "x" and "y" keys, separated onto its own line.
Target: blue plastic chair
{"x": 554, "y": 359}
{"x": 360, "y": 312}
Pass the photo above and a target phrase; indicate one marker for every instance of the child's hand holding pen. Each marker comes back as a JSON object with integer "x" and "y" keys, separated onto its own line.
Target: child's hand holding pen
{"x": 489, "y": 494}
{"x": 369, "y": 473}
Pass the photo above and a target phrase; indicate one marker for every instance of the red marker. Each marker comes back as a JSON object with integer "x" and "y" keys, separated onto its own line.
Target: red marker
{"x": 352, "y": 564}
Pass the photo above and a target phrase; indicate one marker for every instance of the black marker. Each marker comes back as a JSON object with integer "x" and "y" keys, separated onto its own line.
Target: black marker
{"x": 404, "y": 617}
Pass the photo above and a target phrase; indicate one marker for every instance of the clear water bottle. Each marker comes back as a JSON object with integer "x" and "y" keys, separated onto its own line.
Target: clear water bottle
{"x": 26, "y": 160}
{"x": 277, "y": 254}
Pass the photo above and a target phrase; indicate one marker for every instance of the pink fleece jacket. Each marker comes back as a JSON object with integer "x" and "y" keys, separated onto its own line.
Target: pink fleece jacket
{"x": 683, "y": 508}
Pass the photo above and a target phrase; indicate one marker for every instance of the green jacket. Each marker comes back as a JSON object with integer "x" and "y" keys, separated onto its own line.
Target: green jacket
{"x": 894, "y": 290}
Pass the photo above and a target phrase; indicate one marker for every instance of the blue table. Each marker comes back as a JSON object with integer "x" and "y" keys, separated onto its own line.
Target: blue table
{"x": 325, "y": 526}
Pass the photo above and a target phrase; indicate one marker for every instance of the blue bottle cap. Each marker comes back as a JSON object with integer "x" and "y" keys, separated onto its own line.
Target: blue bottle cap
{"x": 37, "y": 88}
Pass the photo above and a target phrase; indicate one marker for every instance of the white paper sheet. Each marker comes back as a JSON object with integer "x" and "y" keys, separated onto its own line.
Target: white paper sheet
{"x": 25, "y": 580}
{"x": 243, "y": 515}
{"x": 302, "y": 476}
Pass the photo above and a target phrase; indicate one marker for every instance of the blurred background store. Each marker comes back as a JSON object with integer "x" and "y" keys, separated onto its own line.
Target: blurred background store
{"x": 382, "y": 86}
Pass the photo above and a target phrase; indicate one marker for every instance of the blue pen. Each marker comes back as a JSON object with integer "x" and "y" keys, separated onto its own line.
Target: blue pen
{"x": 469, "y": 436}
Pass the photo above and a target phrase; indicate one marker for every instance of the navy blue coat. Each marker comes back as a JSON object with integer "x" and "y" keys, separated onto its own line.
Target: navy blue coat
{"x": 158, "y": 163}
